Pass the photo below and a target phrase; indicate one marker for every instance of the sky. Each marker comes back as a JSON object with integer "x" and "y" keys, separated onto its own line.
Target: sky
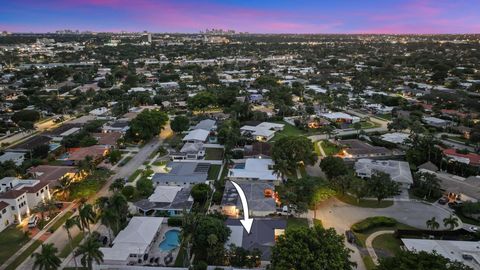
{"x": 254, "y": 16}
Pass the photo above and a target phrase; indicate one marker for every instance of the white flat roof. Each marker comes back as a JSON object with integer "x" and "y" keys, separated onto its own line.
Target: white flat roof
{"x": 197, "y": 135}
{"x": 337, "y": 115}
{"x": 453, "y": 250}
{"x": 164, "y": 194}
{"x": 134, "y": 239}
{"x": 255, "y": 168}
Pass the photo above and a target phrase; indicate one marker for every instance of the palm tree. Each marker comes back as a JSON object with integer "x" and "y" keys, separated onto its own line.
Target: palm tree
{"x": 432, "y": 223}
{"x": 62, "y": 190}
{"x": 357, "y": 126}
{"x": 110, "y": 219}
{"x": 69, "y": 224}
{"x": 46, "y": 259}
{"x": 450, "y": 222}
{"x": 90, "y": 251}
{"x": 86, "y": 216}
{"x": 117, "y": 185}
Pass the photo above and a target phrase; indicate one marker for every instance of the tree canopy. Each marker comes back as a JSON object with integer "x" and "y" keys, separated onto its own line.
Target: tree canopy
{"x": 311, "y": 248}
{"x": 420, "y": 261}
{"x": 290, "y": 152}
{"x": 147, "y": 124}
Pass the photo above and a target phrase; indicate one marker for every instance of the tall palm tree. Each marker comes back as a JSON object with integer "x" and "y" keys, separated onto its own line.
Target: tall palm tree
{"x": 62, "y": 190}
{"x": 450, "y": 222}
{"x": 86, "y": 216}
{"x": 90, "y": 251}
{"x": 46, "y": 259}
{"x": 69, "y": 224}
{"x": 432, "y": 223}
{"x": 110, "y": 219}
{"x": 117, "y": 185}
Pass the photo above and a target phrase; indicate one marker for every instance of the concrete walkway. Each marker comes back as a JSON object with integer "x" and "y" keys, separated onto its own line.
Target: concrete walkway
{"x": 369, "y": 241}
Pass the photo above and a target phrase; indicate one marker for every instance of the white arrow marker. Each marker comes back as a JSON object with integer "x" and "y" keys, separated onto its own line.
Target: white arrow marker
{"x": 246, "y": 221}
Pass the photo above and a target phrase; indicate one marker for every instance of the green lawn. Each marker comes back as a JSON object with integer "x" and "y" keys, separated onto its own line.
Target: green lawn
{"x": 60, "y": 221}
{"x": 90, "y": 185}
{"x": 24, "y": 255}
{"x": 293, "y": 222}
{"x": 288, "y": 130}
{"x": 213, "y": 172}
{"x": 364, "y": 203}
{"x": 386, "y": 116}
{"x": 362, "y": 237}
{"x": 387, "y": 243}
{"x": 316, "y": 148}
{"x": 213, "y": 154}
{"x": 125, "y": 161}
{"x": 11, "y": 240}
{"x": 368, "y": 124}
{"x": 329, "y": 148}
{"x": 75, "y": 242}
{"x": 134, "y": 175}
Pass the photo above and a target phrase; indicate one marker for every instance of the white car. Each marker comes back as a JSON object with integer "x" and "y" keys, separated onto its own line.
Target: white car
{"x": 32, "y": 222}
{"x": 473, "y": 229}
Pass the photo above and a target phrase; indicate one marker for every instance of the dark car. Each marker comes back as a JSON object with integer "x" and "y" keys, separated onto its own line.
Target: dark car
{"x": 350, "y": 236}
{"x": 443, "y": 200}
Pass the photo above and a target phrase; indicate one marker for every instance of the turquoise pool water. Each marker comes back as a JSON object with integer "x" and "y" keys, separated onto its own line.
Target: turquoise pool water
{"x": 239, "y": 166}
{"x": 171, "y": 241}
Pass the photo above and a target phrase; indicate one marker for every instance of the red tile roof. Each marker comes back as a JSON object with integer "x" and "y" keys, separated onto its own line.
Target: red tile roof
{"x": 474, "y": 158}
{"x": 3, "y": 205}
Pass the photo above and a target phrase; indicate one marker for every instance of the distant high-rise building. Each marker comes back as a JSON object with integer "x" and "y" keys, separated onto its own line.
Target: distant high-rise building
{"x": 149, "y": 37}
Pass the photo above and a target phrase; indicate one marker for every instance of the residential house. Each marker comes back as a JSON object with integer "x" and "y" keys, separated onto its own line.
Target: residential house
{"x": 340, "y": 117}
{"x": 358, "y": 149}
{"x": 170, "y": 200}
{"x": 6, "y": 216}
{"x": 254, "y": 170}
{"x": 262, "y": 132}
{"x": 464, "y": 252}
{"x": 399, "y": 171}
{"x": 96, "y": 152}
{"x": 109, "y": 139}
{"x": 436, "y": 122}
{"x": 23, "y": 195}
{"x": 257, "y": 150}
{"x": 260, "y": 197}
{"x": 133, "y": 242}
{"x": 182, "y": 174}
{"x": 120, "y": 125}
{"x": 52, "y": 173}
{"x": 196, "y": 135}
{"x": 15, "y": 157}
{"x": 468, "y": 158}
{"x": 262, "y": 236}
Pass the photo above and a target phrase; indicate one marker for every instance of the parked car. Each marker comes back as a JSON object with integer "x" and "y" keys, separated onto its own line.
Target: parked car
{"x": 350, "y": 236}
{"x": 443, "y": 200}
{"x": 32, "y": 221}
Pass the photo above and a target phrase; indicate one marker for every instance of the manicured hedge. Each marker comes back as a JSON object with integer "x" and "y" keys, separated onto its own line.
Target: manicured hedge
{"x": 373, "y": 222}
{"x": 174, "y": 222}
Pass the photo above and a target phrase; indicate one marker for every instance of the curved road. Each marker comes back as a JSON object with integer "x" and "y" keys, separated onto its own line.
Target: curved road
{"x": 341, "y": 216}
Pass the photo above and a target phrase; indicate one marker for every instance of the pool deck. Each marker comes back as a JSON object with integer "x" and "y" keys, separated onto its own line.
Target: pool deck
{"x": 155, "y": 249}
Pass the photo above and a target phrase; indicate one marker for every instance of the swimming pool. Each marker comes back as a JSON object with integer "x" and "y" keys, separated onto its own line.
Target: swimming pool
{"x": 171, "y": 241}
{"x": 239, "y": 166}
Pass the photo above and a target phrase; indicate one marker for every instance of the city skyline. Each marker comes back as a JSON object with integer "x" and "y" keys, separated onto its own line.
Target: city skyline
{"x": 305, "y": 16}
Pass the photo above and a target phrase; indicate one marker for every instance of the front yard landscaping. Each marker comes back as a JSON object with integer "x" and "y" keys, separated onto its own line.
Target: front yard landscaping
{"x": 214, "y": 154}
{"x": 347, "y": 198}
{"x": 386, "y": 243}
{"x": 330, "y": 148}
{"x": 11, "y": 240}
{"x": 213, "y": 172}
{"x": 293, "y": 222}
